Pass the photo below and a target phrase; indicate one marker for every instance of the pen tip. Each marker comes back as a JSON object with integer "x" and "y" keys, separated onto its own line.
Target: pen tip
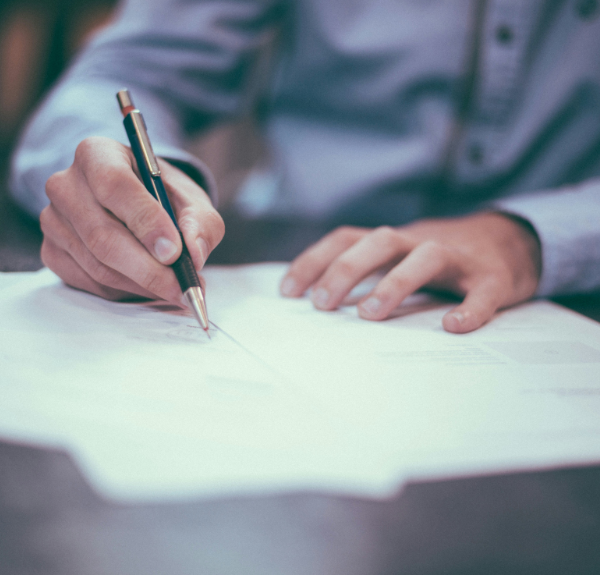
{"x": 195, "y": 299}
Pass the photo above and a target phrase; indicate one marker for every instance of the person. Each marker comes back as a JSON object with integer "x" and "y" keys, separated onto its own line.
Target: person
{"x": 456, "y": 144}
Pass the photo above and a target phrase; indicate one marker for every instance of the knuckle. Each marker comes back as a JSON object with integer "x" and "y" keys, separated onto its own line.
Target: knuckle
{"x": 45, "y": 220}
{"x": 101, "y": 273}
{"x": 112, "y": 181}
{"x": 343, "y": 268}
{"x": 52, "y": 228}
{"x": 436, "y": 250}
{"x": 393, "y": 283}
{"x": 299, "y": 267}
{"x": 146, "y": 218}
{"x": 110, "y": 189}
{"x": 70, "y": 244}
{"x": 87, "y": 148}
{"x": 154, "y": 282}
{"x": 305, "y": 262}
{"x": 84, "y": 150}
{"x": 102, "y": 243}
{"x": 47, "y": 254}
{"x": 209, "y": 225}
{"x": 188, "y": 220}
{"x": 193, "y": 218}
{"x": 345, "y": 232}
{"x": 55, "y": 186}
{"x": 386, "y": 236}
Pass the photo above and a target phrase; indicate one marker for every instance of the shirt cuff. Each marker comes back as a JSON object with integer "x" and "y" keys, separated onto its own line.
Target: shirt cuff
{"x": 566, "y": 222}
{"x": 193, "y": 167}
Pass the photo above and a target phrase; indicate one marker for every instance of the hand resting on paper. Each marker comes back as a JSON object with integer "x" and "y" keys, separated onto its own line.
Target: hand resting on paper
{"x": 105, "y": 234}
{"x": 491, "y": 259}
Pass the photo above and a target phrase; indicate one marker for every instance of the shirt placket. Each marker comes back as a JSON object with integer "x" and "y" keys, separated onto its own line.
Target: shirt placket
{"x": 505, "y": 37}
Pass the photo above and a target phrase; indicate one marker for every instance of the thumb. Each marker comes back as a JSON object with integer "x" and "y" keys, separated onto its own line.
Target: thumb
{"x": 478, "y": 307}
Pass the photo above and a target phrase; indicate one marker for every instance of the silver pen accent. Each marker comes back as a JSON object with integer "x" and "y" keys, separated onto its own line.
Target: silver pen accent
{"x": 195, "y": 299}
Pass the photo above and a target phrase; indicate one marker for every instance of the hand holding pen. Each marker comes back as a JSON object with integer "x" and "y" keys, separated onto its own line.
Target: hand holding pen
{"x": 105, "y": 234}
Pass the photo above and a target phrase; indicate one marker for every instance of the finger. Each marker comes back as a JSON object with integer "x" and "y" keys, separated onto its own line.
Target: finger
{"x": 114, "y": 246}
{"x": 368, "y": 254}
{"x": 63, "y": 236}
{"x": 108, "y": 168}
{"x": 310, "y": 264}
{"x": 201, "y": 225}
{"x": 108, "y": 239}
{"x": 478, "y": 307}
{"x": 63, "y": 265}
{"x": 425, "y": 263}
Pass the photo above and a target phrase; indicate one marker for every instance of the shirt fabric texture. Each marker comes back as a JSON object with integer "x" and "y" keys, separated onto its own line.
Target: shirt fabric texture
{"x": 376, "y": 111}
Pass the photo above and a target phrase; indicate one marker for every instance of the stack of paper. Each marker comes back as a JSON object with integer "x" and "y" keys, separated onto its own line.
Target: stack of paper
{"x": 286, "y": 397}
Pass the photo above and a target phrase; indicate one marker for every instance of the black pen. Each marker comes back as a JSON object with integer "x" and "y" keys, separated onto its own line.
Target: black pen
{"x": 150, "y": 172}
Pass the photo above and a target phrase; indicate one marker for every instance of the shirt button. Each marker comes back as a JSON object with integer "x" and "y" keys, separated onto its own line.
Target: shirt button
{"x": 504, "y": 34}
{"x": 586, "y": 9}
{"x": 475, "y": 153}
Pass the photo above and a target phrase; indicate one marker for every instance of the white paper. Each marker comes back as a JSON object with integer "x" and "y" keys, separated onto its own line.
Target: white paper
{"x": 286, "y": 397}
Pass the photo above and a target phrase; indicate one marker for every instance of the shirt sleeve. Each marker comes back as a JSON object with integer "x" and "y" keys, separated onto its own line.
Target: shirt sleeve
{"x": 567, "y": 221}
{"x": 187, "y": 65}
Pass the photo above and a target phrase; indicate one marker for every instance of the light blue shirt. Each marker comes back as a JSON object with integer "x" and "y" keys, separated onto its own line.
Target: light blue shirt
{"x": 385, "y": 110}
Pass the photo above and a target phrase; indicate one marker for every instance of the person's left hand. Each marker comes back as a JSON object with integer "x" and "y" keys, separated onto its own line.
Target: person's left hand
{"x": 491, "y": 259}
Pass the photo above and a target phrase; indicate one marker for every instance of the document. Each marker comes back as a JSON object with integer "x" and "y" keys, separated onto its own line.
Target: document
{"x": 284, "y": 397}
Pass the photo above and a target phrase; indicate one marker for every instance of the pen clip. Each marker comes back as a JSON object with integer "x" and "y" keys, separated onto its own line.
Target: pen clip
{"x": 147, "y": 151}
{"x": 139, "y": 125}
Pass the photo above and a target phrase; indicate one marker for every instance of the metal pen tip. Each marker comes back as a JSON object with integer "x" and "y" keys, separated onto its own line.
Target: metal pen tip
{"x": 195, "y": 299}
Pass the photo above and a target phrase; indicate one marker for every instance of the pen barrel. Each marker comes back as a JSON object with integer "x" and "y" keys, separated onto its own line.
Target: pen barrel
{"x": 183, "y": 266}
{"x": 184, "y": 269}
{"x": 150, "y": 174}
{"x": 153, "y": 183}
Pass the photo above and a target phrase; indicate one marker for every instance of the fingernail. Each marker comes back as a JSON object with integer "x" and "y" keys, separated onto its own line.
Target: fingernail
{"x": 459, "y": 317}
{"x": 203, "y": 249}
{"x": 288, "y": 286}
{"x": 371, "y": 305}
{"x": 320, "y": 297}
{"x": 164, "y": 249}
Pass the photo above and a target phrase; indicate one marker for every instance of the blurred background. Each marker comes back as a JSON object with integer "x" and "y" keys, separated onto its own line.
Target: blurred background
{"x": 38, "y": 38}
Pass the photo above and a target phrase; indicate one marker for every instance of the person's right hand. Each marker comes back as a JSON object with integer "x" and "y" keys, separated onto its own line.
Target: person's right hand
{"x": 105, "y": 234}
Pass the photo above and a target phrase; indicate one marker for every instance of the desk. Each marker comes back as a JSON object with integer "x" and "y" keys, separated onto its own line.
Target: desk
{"x": 20, "y": 239}
{"x": 523, "y": 523}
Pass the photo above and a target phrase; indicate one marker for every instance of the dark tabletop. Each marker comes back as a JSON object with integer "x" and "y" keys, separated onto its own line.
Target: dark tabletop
{"x": 20, "y": 239}
{"x": 51, "y": 522}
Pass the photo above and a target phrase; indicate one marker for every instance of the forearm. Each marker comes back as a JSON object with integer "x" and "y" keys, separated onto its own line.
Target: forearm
{"x": 78, "y": 109}
{"x": 186, "y": 64}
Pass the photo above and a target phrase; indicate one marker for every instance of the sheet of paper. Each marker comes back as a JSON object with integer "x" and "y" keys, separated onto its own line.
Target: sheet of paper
{"x": 285, "y": 397}
{"x": 522, "y": 392}
{"x": 8, "y": 279}
{"x": 153, "y": 408}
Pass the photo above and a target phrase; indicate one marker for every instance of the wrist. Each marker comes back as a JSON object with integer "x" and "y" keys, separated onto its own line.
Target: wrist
{"x": 522, "y": 237}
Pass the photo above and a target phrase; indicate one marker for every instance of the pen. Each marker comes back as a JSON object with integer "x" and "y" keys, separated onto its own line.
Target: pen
{"x": 150, "y": 172}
